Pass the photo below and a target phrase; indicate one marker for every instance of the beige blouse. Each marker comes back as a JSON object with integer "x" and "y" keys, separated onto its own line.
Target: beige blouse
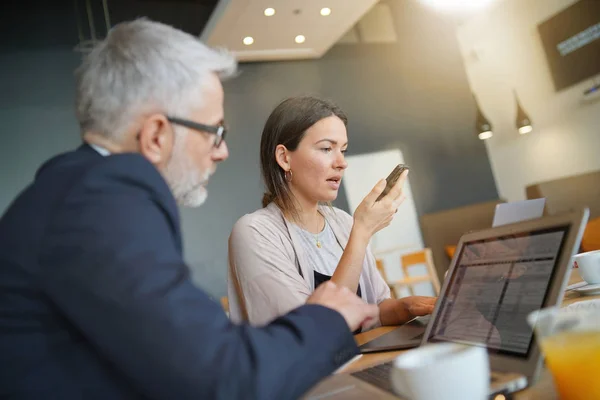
{"x": 269, "y": 274}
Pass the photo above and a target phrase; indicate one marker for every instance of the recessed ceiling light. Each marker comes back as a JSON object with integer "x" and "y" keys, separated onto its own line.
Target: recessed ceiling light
{"x": 248, "y": 40}
{"x": 269, "y": 12}
{"x": 325, "y": 11}
{"x": 300, "y": 39}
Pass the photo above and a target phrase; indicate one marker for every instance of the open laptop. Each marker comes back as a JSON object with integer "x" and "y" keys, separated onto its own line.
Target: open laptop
{"x": 411, "y": 334}
{"x": 497, "y": 277}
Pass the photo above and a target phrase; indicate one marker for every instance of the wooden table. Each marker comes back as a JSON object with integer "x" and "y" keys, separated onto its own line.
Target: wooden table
{"x": 543, "y": 388}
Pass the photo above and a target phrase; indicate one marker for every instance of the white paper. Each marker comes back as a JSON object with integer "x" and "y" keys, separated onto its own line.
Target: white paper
{"x": 516, "y": 211}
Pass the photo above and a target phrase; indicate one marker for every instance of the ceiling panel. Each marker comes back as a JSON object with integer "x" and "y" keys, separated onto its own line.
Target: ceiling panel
{"x": 274, "y": 36}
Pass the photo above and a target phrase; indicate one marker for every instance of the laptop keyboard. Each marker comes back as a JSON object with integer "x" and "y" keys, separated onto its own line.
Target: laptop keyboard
{"x": 378, "y": 375}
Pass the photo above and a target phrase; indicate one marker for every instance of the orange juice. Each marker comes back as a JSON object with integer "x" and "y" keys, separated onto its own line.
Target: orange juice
{"x": 574, "y": 360}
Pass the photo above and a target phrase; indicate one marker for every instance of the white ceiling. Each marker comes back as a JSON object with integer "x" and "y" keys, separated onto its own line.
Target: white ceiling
{"x": 233, "y": 20}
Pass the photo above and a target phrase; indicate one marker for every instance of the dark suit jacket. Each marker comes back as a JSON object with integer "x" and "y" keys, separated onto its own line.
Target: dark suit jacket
{"x": 96, "y": 301}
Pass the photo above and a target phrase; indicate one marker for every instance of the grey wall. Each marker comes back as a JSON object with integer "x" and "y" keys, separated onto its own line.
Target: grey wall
{"x": 411, "y": 95}
{"x": 36, "y": 113}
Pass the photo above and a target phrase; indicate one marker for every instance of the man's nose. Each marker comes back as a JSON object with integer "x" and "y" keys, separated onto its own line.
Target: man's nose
{"x": 220, "y": 153}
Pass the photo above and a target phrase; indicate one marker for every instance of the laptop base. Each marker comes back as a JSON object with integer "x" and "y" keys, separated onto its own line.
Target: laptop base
{"x": 404, "y": 337}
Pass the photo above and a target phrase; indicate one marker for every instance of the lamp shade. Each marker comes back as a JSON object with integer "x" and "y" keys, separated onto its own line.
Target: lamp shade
{"x": 523, "y": 122}
{"x": 483, "y": 127}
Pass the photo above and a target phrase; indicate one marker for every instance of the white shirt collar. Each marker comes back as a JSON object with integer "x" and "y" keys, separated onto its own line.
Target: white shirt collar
{"x": 101, "y": 150}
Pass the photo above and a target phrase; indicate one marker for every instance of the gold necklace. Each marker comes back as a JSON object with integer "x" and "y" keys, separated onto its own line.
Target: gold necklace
{"x": 317, "y": 241}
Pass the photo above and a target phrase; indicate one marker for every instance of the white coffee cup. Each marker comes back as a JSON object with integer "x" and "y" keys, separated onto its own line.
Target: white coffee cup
{"x": 589, "y": 266}
{"x": 442, "y": 371}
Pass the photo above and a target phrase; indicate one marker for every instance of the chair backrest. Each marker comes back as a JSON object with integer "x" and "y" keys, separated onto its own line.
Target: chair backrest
{"x": 559, "y": 193}
{"x": 421, "y": 257}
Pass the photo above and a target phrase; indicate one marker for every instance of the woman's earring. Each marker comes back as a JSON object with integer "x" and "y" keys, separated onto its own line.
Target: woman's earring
{"x": 288, "y": 175}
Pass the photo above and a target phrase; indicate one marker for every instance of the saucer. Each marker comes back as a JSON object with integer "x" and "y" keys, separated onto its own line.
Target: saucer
{"x": 576, "y": 285}
{"x": 586, "y": 289}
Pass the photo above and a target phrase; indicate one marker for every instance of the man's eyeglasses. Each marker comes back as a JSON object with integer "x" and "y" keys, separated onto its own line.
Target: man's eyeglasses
{"x": 219, "y": 130}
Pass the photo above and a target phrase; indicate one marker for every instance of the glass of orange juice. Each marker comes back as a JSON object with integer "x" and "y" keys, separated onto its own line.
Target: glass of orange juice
{"x": 570, "y": 341}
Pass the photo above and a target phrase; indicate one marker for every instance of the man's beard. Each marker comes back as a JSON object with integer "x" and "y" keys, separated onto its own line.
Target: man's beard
{"x": 187, "y": 183}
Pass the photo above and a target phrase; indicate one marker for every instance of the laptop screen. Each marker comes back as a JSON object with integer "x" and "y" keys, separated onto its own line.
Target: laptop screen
{"x": 496, "y": 283}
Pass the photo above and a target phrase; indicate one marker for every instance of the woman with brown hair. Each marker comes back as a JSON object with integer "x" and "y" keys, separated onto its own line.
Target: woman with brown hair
{"x": 280, "y": 253}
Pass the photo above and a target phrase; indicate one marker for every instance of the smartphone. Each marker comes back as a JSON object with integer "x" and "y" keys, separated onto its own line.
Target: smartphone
{"x": 392, "y": 179}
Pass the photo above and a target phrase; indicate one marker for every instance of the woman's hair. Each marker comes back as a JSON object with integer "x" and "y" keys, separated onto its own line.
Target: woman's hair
{"x": 287, "y": 125}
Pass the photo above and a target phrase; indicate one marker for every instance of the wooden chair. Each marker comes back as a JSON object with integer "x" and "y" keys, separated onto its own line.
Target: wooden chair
{"x": 421, "y": 257}
{"x": 225, "y": 304}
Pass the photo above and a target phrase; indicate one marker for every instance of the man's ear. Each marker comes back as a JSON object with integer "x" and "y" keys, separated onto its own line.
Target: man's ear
{"x": 156, "y": 139}
{"x": 283, "y": 157}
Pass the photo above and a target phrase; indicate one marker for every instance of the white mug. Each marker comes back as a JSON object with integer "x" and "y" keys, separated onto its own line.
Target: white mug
{"x": 589, "y": 266}
{"x": 442, "y": 371}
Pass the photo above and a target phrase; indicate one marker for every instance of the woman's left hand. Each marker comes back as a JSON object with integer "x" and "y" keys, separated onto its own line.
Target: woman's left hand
{"x": 400, "y": 311}
{"x": 416, "y": 306}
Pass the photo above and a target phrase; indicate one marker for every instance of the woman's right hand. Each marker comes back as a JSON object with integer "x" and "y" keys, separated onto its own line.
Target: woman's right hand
{"x": 371, "y": 216}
